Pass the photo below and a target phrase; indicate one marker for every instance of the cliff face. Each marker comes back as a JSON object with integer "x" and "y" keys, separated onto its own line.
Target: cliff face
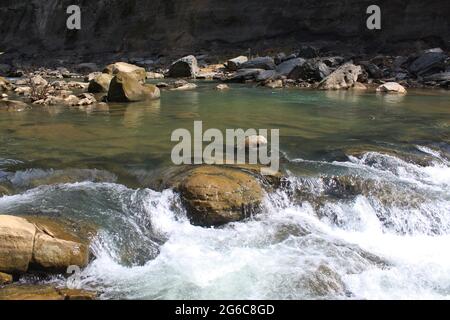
{"x": 181, "y": 26}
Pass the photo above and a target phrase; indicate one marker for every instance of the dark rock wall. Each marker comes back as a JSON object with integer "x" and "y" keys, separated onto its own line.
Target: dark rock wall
{"x": 184, "y": 26}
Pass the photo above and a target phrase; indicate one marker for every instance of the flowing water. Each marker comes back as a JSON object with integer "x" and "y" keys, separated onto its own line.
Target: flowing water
{"x": 365, "y": 213}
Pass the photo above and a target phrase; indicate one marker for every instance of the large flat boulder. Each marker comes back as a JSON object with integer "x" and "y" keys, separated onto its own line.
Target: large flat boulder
{"x": 125, "y": 88}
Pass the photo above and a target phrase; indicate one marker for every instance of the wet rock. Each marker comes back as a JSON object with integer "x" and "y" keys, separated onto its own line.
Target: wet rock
{"x": 138, "y": 73}
{"x": 274, "y": 84}
{"x": 154, "y": 75}
{"x": 4, "y": 191}
{"x": 266, "y": 63}
{"x": 13, "y": 105}
{"x": 44, "y": 292}
{"x": 428, "y": 63}
{"x": 359, "y": 86}
{"x": 125, "y": 88}
{"x": 100, "y": 83}
{"x": 222, "y": 87}
{"x": 311, "y": 70}
{"x": 325, "y": 282}
{"x": 391, "y": 87}
{"x": 218, "y": 195}
{"x": 343, "y": 78}
{"x": 182, "y": 85}
{"x": 285, "y": 68}
{"x": 235, "y": 63}
{"x": 5, "y": 279}
{"x": 53, "y": 254}
{"x": 266, "y": 75}
{"x": 186, "y": 67}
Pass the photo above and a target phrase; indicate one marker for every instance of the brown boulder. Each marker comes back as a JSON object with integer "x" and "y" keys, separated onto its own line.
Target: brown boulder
{"x": 100, "y": 83}
{"x": 217, "y": 195}
{"x": 26, "y": 245}
{"x": 125, "y": 88}
{"x": 16, "y": 244}
{"x": 138, "y": 73}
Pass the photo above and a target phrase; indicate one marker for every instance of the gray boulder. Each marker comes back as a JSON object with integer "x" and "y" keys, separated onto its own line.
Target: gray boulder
{"x": 266, "y": 75}
{"x": 428, "y": 63}
{"x": 285, "y": 68}
{"x": 186, "y": 67}
{"x": 266, "y": 63}
{"x": 314, "y": 70}
{"x": 344, "y": 77}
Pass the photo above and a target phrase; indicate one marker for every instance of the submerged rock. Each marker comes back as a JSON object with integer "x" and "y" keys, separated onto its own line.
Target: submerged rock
{"x": 343, "y": 78}
{"x": 222, "y": 87}
{"x": 182, "y": 85}
{"x": 13, "y": 105}
{"x": 138, "y": 73}
{"x": 391, "y": 87}
{"x": 44, "y": 292}
{"x": 125, "y": 88}
{"x": 186, "y": 67}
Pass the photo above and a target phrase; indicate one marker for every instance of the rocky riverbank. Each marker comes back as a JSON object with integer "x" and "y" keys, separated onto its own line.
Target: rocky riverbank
{"x": 89, "y": 85}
